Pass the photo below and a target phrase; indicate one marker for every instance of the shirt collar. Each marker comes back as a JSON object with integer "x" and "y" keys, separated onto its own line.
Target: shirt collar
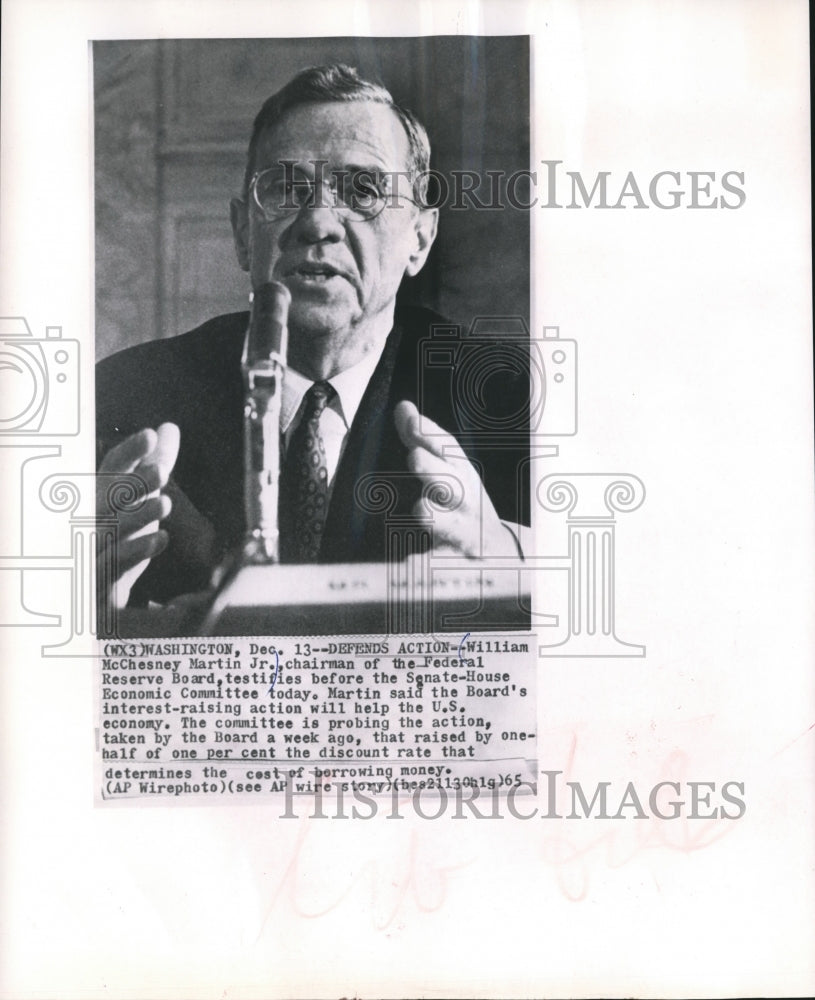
{"x": 349, "y": 387}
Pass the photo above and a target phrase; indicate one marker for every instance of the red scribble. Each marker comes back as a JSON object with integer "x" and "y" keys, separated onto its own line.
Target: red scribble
{"x": 619, "y": 847}
{"x": 426, "y": 883}
{"x": 791, "y": 743}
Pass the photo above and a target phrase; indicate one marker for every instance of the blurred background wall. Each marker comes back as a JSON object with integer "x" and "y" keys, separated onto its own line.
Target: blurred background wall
{"x": 171, "y": 126}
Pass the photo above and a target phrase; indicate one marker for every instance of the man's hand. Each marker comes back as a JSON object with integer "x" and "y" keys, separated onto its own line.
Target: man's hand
{"x": 151, "y": 455}
{"x": 468, "y": 524}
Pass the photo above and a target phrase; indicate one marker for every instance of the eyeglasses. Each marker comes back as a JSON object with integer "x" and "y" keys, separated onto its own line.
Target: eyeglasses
{"x": 357, "y": 194}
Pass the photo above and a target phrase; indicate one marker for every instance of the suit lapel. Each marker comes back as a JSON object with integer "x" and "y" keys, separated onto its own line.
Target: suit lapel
{"x": 352, "y": 533}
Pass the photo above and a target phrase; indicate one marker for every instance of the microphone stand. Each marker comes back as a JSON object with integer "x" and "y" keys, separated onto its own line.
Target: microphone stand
{"x": 263, "y": 365}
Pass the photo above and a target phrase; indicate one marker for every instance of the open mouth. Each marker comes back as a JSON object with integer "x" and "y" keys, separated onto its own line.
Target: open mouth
{"x": 315, "y": 272}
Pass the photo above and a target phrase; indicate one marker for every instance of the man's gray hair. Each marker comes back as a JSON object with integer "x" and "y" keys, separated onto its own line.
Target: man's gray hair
{"x": 340, "y": 83}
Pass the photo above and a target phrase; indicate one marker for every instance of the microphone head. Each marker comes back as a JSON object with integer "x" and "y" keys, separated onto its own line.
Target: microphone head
{"x": 268, "y": 326}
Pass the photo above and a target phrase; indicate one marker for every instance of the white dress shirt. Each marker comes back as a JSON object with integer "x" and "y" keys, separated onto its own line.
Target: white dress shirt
{"x": 336, "y": 419}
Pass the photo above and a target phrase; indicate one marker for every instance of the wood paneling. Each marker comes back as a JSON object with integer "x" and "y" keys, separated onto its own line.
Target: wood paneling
{"x": 172, "y": 122}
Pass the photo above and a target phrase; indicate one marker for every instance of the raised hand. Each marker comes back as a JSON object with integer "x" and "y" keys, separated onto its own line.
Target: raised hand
{"x": 468, "y": 523}
{"x": 151, "y": 455}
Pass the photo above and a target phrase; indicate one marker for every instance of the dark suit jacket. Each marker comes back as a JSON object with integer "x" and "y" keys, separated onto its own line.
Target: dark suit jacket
{"x": 194, "y": 380}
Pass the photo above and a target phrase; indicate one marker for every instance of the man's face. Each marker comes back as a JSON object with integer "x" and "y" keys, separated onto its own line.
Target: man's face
{"x": 343, "y": 272}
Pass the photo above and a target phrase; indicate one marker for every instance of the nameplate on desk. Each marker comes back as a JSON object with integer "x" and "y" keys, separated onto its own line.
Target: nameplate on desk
{"x": 370, "y": 597}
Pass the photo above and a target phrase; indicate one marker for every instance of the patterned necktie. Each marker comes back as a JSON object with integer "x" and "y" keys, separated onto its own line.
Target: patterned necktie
{"x": 304, "y": 483}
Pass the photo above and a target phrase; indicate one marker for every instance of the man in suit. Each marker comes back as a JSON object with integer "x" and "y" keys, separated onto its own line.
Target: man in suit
{"x": 334, "y": 208}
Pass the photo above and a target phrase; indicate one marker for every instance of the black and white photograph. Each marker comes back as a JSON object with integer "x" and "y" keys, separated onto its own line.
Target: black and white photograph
{"x": 399, "y": 230}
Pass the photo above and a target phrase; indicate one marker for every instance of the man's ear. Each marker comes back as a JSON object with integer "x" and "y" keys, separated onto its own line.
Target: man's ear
{"x": 425, "y": 226}
{"x": 239, "y": 214}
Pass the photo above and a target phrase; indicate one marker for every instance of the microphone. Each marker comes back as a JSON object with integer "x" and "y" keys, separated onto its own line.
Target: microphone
{"x": 263, "y": 365}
